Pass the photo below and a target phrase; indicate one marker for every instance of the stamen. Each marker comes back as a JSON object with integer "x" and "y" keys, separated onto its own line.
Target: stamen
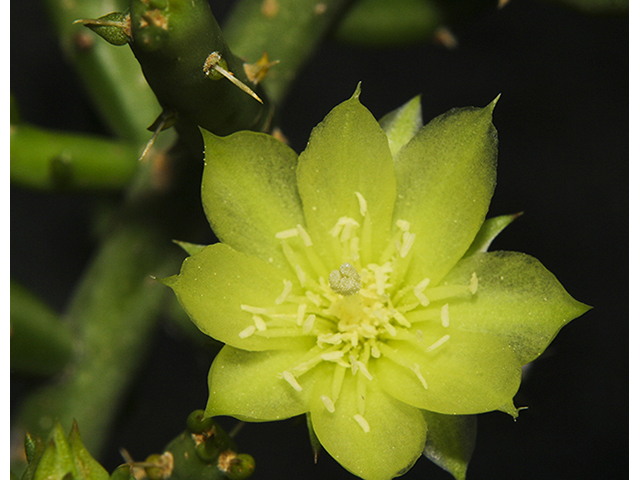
{"x": 473, "y": 285}
{"x": 407, "y": 243}
{"x": 363, "y": 204}
{"x": 362, "y": 422}
{"x": 390, "y": 328}
{"x": 344, "y": 228}
{"x": 247, "y": 332}
{"x": 314, "y": 297}
{"x": 307, "y": 326}
{"x": 438, "y": 343}
{"x": 401, "y": 319}
{"x": 364, "y": 370}
{"x": 354, "y": 364}
{"x": 287, "y": 290}
{"x": 260, "y": 324}
{"x": 338, "y": 378}
{"x": 375, "y": 351}
{"x": 306, "y": 239}
{"x": 293, "y": 232}
{"x": 330, "y": 338}
{"x": 256, "y": 310}
{"x": 291, "y": 380}
{"x": 416, "y": 370}
{"x": 332, "y": 356}
{"x": 444, "y": 315}
{"x": 403, "y": 225}
{"x": 300, "y": 315}
{"x": 328, "y": 403}
{"x": 302, "y": 277}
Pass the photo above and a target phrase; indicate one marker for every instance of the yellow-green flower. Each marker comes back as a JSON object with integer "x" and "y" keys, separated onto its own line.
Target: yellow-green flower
{"x": 353, "y": 285}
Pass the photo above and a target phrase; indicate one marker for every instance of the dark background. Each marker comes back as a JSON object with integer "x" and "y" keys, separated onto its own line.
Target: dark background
{"x": 563, "y": 160}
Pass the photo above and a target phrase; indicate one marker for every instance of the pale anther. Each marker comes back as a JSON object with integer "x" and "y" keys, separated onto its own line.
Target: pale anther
{"x": 314, "y": 297}
{"x": 362, "y": 422}
{"x": 287, "y": 234}
{"x": 403, "y": 225}
{"x": 285, "y": 293}
{"x": 307, "y": 326}
{"x": 300, "y": 314}
{"x": 257, "y": 310}
{"x": 345, "y": 281}
{"x": 306, "y": 239}
{"x": 332, "y": 356}
{"x": 407, "y": 243}
{"x": 328, "y": 403}
{"x": 444, "y": 315}
{"x": 260, "y": 324}
{"x": 416, "y": 370}
{"x": 354, "y": 364}
{"x": 363, "y": 204}
{"x": 438, "y": 343}
{"x": 364, "y": 370}
{"x": 247, "y": 332}
{"x": 291, "y": 380}
{"x": 343, "y": 223}
{"x": 473, "y": 285}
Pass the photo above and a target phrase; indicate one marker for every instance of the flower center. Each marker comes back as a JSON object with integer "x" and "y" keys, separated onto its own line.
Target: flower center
{"x": 354, "y": 310}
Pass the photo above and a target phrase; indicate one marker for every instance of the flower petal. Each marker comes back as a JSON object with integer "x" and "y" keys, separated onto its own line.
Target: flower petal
{"x": 402, "y": 124}
{"x": 396, "y": 435}
{"x": 470, "y": 373}
{"x": 347, "y": 153}
{"x": 518, "y": 299}
{"x": 490, "y": 229}
{"x": 215, "y": 282}
{"x": 451, "y": 440}
{"x": 249, "y": 385}
{"x": 249, "y": 192}
{"x": 446, "y": 177}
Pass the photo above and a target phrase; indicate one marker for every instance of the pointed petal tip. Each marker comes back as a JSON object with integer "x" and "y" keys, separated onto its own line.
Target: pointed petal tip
{"x": 494, "y": 102}
{"x": 356, "y": 94}
{"x": 168, "y": 281}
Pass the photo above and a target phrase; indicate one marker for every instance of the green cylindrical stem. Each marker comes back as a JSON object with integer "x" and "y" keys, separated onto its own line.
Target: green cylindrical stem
{"x": 40, "y": 343}
{"x": 51, "y": 160}
{"x": 111, "y": 75}
{"x": 172, "y": 40}
{"x": 288, "y": 30}
{"x": 113, "y": 311}
{"x": 377, "y": 23}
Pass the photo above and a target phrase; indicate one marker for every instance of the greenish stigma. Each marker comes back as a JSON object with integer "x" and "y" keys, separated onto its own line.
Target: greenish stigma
{"x": 345, "y": 281}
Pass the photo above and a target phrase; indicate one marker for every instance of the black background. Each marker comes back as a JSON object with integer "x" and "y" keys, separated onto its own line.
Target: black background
{"x": 563, "y": 160}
